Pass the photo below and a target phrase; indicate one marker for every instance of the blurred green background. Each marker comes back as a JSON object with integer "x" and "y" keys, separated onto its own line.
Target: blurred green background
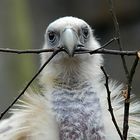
{"x": 23, "y": 24}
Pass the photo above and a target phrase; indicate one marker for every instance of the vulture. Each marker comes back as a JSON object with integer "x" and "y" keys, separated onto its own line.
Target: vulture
{"x": 72, "y": 104}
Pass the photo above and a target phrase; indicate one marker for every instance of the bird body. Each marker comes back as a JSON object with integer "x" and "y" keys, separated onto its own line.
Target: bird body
{"x": 73, "y": 103}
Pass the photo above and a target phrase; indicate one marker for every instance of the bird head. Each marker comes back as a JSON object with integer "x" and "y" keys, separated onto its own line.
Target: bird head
{"x": 70, "y": 33}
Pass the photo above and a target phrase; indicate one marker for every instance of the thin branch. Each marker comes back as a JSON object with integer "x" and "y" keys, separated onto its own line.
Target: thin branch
{"x": 106, "y": 44}
{"x": 117, "y": 34}
{"x": 110, "y": 41}
{"x": 109, "y": 103}
{"x": 127, "y": 100}
{"x": 129, "y": 76}
{"x": 107, "y": 51}
{"x": 115, "y": 52}
{"x": 102, "y": 47}
{"x": 78, "y": 51}
{"x": 29, "y": 83}
{"x": 36, "y": 51}
{"x": 81, "y": 51}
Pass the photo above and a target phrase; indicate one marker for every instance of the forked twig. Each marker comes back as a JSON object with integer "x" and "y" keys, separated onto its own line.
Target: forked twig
{"x": 55, "y": 51}
{"x": 78, "y": 51}
{"x": 29, "y": 83}
{"x": 38, "y": 51}
{"x": 127, "y": 100}
{"x": 100, "y": 50}
{"x": 129, "y": 76}
{"x": 110, "y": 104}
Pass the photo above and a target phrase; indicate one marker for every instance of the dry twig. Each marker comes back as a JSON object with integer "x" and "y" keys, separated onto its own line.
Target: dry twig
{"x": 31, "y": 51}
{"x": 29, "y": 83}
{"x": 129, "y": 76}
{"x": 100, "y": 50}
{"x": 109, "y": 103}
{"x": 127, "y": 99}
{"x": 55, "y": 51}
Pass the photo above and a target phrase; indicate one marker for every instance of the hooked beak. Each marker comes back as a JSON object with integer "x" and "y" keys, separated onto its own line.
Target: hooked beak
{"x": 69, "y": 41}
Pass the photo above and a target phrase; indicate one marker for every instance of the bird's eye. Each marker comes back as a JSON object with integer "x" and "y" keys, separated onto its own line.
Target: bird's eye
{"x": 52, "y": 36}
{"x": 85, "y": 32}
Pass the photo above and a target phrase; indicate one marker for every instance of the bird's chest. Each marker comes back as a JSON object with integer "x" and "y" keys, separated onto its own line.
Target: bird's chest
{"x": 78, "y": 114}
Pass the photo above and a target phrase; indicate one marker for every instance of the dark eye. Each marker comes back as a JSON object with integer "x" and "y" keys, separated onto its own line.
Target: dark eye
{"x": 52, "y": 36}
{"x": 85, "y": 32}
